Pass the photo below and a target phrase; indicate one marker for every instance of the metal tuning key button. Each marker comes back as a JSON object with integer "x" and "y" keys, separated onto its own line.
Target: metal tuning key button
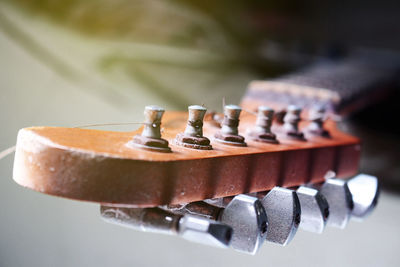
{"x": 249, "y": 222}
{"x": 365, "y": 193}
{"x": 150, "y": 138}
{"x": 262, "y": 130}
{"x": 340, "y": 201}
{"x": 246, "y": 216}
{"x": 317, "y": 118}
{"x": 156, "y": 220}
{"x": 284, "y": 214}
{"x": 291, "y": 123}
{"x": 229, "y": 133}
{"x": 314, "y": 209}
{"x": 193, "y": 137}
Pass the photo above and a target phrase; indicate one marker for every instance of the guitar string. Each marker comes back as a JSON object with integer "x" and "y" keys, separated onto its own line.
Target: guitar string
{"x": 109, "y": 124}
{"x": 244, "y": 109}
{"x": 8, "y": 151}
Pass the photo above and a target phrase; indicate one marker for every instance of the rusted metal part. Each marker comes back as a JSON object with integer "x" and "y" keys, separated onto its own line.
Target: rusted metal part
{"x": 155, "y": 144}
{"x": 229, "y": 133}
{"x": 193, "y": 141}
{"x": 150, "y": 138}
{"x": 262, "y": 130}
{"x": 230, "y": 139}
{"x": 204, "y": 209}
{"x": 291, "y": 123}
{"x": 317, "y": 117}
{"x": 193, "y": 137}
{"x": 264, "y": 137}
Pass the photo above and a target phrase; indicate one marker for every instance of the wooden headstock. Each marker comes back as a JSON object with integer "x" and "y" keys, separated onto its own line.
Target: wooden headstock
{"x": 104, "y": 166}
{"x": 114, "y": 169}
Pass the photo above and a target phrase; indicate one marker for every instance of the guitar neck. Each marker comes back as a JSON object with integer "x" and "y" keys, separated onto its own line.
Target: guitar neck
{"x": 341, "y": 86}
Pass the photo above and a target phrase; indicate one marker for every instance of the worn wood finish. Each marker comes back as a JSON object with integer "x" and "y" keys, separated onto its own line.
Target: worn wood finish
{"x": 99, "y": 166}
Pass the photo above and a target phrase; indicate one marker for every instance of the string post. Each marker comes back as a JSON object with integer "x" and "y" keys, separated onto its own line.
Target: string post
{"x": 317, "y": 119}
{"x": 150, "y": 138}
{"x": 193, "y": 137}
{"x": 291, "y": 123}
{"x": 262, "y": 130}
{"x": 229, "y": 133}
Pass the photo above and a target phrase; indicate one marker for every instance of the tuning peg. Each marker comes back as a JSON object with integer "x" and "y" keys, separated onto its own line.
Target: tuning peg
{"x": 317, "y": 118}
{"x": 365, "y": 192}
{"x": 245, "y": 214}
{"x": 282, "y": 207}
{"x": 340, "y": 201}
{"x": 262, "y": 130}
{"x": 156, "y": 220}
{"x": 150, "y": 138}
{"x": 193, "y": 137}
{"x": 291, "y": 123}
{"x": 314, "y": 209}
{"x": 229, "y": 133}
{"x": 247, "y": 217}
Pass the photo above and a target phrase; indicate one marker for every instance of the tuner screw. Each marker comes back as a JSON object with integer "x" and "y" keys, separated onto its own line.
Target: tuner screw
{"x": 317, "y": 118}
{"x": 193, "y": 137}
{"x": 229, "y": 133}
{"x": 262, "y": 131}
{"x": 151, "y": 135}
{"x": 291, "y": 123}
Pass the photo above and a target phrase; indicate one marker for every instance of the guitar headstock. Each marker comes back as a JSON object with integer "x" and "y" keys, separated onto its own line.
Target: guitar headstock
{"x": 256, "y": 172}
{"x": 180, "y": 157}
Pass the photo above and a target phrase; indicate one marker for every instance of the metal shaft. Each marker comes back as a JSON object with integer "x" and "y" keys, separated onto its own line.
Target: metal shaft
{"x": 157, "y": 220}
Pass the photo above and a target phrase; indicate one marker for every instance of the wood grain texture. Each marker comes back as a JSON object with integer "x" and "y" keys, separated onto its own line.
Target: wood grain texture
{"x": 99, "y": 166}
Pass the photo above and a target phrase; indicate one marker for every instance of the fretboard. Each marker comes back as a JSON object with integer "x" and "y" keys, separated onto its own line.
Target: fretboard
{"x": 342, "y": 86}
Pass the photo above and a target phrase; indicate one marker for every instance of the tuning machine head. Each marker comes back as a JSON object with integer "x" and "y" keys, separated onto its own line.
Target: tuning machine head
{"x": 365, "y": 193}
{"x": 291, "y": 123}
{"x": 204, "y": 231}
{"x": 283, "y": 209}
{"x": 193, "y": 137}
{"x": 229, "y": 133}
{"x": 248, "y": 219}
{"x": 314, "y": 209}
{"x": 262, "y": 130}
{"x": 150, "y": 138}
{"x": 317, "y": 118}
{"x": 245, "y": 214}
{"x": 156, "y": 220}
{"x": 338, "y": 196}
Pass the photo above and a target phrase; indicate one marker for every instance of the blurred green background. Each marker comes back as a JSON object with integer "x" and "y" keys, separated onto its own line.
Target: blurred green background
{"x": 68, "y": 63}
